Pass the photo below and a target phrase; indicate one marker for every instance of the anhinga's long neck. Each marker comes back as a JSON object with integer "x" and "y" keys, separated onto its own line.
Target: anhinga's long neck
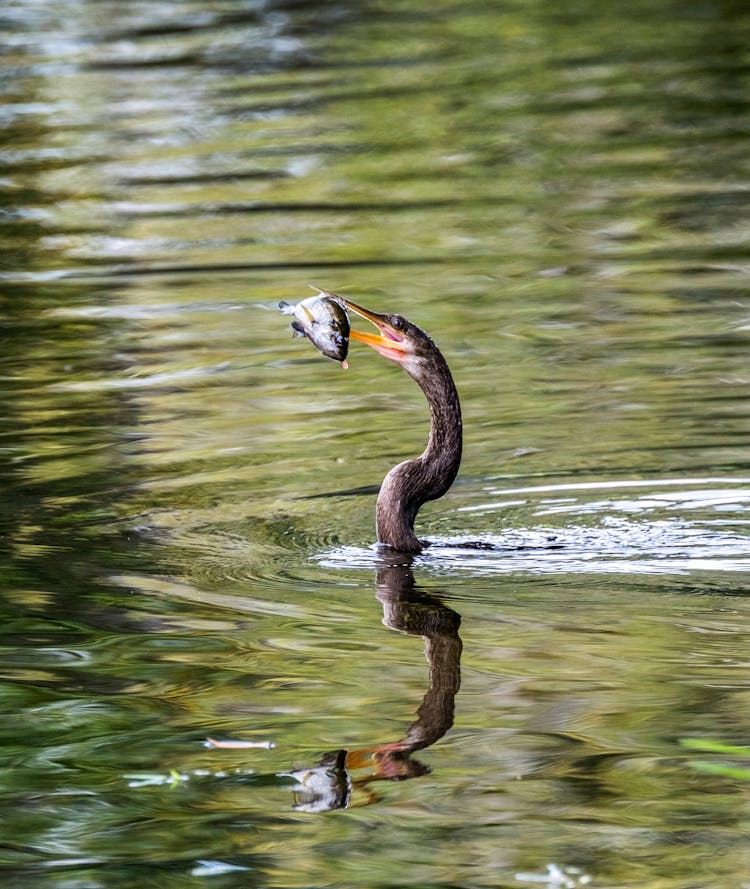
{"x": 414, "y": 482}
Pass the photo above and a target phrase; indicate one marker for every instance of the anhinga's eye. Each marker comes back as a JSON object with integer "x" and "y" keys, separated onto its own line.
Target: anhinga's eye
{"x": 398, "y": 322}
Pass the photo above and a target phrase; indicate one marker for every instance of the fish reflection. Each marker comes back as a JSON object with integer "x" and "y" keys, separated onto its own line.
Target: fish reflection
{"x": 332, "y": 784}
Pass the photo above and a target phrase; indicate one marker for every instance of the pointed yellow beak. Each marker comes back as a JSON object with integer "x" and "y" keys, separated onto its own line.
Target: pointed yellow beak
{"x": 390, "y": 343}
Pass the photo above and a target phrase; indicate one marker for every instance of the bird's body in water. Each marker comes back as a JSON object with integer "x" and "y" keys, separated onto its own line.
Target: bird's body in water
{"x": 427, "y": 477}
{"x": 411, "y": 483}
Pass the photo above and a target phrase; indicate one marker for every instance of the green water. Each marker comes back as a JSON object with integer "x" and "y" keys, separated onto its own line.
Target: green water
{"x": 558, "y": 193}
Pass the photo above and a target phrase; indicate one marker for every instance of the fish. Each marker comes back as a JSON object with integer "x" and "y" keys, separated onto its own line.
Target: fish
{"x": 324, "y": 321}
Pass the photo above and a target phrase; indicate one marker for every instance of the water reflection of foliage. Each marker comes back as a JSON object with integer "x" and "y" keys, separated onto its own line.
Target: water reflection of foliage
{"x": 719, "y": 767}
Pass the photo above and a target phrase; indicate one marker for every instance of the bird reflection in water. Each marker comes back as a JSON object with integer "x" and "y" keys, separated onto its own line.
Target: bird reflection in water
{"x": 345, "y": 777}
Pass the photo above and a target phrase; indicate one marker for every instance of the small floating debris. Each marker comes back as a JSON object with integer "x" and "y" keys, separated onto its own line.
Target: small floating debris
{"x": 213, "y": 744}
{"x": 156, "y": 779}
{"x": 173, "y": 778}
{"x": 205, "y": 868}
{"x": 562, "y": 877}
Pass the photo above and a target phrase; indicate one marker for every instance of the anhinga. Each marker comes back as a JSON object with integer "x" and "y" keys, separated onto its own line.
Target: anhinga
{"x": 427, "y": 477}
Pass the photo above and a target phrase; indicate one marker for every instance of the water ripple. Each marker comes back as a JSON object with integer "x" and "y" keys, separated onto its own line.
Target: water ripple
{"x": 712, "y": 498}
{"x": 618, "y": 547}
{"x": 614, "y": 542}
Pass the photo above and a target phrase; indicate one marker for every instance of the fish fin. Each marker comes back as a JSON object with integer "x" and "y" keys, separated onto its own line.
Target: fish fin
{"x": 330, "y": 295}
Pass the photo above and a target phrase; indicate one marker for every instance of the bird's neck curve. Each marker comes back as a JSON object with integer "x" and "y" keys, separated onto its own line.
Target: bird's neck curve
{"x": 414, "y": 482}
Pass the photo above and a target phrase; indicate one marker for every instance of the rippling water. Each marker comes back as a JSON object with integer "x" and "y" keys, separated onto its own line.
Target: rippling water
{"x": 558, "y": 193}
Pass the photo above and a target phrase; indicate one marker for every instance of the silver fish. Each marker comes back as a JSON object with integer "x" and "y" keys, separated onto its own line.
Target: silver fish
{"x": 323, "y": 320}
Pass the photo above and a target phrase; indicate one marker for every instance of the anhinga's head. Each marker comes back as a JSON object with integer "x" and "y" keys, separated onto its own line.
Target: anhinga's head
{"x": 397, "y": 339}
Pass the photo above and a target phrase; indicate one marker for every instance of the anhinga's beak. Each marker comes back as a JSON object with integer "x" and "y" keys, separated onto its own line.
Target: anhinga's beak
{"x": 390, "y": 343}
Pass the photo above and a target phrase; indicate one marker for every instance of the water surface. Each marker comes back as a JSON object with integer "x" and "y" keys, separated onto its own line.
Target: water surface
{"x": 559, "y": 196}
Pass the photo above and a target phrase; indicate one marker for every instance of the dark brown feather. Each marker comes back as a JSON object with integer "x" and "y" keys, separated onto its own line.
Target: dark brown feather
{"x": 414, "y": 482}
